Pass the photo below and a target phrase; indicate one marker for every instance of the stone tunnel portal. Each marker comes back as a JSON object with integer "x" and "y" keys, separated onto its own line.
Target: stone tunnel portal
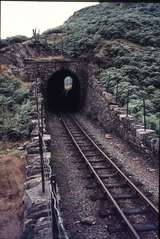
{"x": 63, "y": 92}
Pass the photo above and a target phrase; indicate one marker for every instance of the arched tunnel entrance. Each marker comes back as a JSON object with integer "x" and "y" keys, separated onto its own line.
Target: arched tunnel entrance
{"x": 63, "y": 92}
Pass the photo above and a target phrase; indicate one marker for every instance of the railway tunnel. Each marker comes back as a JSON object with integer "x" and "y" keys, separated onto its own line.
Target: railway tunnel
{"x": 63, "y": 93}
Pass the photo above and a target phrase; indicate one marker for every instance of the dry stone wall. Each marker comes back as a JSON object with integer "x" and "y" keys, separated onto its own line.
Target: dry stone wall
{"x": 101, "y": 106}
{"x": 37, "y": 214}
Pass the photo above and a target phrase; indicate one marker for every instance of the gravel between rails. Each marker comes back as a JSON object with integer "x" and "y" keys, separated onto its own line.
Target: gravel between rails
{"x": 140, "y": 168}
{"x": 80, "y": 213}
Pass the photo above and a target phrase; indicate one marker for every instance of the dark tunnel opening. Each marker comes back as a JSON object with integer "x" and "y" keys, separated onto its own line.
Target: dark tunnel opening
{"x": 63, "y": 92}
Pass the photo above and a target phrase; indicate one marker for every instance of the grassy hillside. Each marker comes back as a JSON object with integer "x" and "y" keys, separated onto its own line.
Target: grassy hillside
{"x": 127, "y": 37}
{"x": 138, "y": 23}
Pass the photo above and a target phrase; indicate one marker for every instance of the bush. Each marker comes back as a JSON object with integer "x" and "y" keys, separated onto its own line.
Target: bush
{"x": 127, "y": 35}
{"x": 20, "y": 96}
{"x": 53, "y": 30}
{"x": 15, "y": 108}
{"x": 12, "y": 40}
{"x": 153, "y": 122}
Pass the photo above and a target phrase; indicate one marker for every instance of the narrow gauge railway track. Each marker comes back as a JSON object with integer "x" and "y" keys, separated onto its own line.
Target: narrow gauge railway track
{"x": 139, "y": 217}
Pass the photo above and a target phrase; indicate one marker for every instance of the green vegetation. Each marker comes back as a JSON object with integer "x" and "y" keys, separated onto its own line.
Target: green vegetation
{"x": 137, "y": 73}
{"x": 53, "y": 30}
{"x": 135, "y": 22}
{"x": 15, "y": 108}
{"x": 127, "y": 37}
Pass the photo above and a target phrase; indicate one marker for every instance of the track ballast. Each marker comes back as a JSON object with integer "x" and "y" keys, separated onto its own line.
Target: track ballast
{"x": 138, "y": 216}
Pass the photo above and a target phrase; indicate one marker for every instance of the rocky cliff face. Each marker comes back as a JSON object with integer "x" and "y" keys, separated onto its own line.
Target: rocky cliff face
{"x": 18, "y": 52}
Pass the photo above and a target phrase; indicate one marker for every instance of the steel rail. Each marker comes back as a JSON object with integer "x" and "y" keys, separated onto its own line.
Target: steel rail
{"x": 102, "y": 184}
{"x": 119, "y": 171}
{"x": 125, "y": 219}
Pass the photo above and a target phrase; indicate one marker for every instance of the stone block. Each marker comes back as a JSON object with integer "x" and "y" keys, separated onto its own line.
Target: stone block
{"x": 34, "y": 196}
{"x": 33, "y": 150}
{"x": 108, "y": 97}
{"x": 33, "y": 170}
{"x": 46, "y": 138}
{"x": 141, "y": 133}
{"x": 28, "y": 229}
{"x": 32, "y": 183}
{"x": 33, "y": 158}
{"x": 155, "y": 144}
{"x": 112, "y": 106}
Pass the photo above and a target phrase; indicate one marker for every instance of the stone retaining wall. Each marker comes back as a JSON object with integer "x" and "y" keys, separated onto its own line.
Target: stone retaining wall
{"x": 101, "y": 106}
{"x": 43, "y": 70}
{"x": 37, "y": 215}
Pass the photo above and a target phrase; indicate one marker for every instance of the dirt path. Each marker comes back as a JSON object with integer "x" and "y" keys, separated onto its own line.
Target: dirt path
{"x": 11, "y": 192}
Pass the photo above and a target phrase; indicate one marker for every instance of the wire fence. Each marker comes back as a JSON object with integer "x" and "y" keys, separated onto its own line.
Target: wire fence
{"x": 49, "y": 186}
{"x": 143, "y": 98}
{"x": 127, "y": 101}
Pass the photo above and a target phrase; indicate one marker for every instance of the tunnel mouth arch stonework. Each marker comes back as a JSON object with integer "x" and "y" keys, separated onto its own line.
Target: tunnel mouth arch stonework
{"x": 60, "y": 97}
{"x": 45, "y": 71}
